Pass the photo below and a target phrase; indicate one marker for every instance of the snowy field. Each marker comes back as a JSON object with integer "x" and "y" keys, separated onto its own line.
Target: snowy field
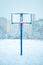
{"x": 10, "y": 52}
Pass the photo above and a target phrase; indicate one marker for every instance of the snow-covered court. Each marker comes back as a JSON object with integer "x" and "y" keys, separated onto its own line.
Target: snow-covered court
{"x": 10, "y": 52}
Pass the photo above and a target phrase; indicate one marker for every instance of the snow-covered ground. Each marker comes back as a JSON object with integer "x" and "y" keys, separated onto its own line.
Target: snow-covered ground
{"x": 10, "y": 52}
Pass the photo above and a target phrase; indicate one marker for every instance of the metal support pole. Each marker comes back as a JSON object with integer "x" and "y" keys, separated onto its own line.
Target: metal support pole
{"x": 21, "y": 39}
{"x": 21, "y": 19}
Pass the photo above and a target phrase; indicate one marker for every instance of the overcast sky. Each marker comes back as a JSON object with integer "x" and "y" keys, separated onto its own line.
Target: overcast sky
{"x": 29, "y": 6}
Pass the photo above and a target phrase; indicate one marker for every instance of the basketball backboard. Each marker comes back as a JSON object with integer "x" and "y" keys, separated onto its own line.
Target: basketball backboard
{"x": 21, "y": 17}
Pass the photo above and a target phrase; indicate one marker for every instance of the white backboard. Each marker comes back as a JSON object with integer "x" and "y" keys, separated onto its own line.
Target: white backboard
{"x": 17, "y": 17}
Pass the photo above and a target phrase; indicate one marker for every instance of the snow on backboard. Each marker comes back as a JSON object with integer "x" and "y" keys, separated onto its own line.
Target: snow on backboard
{"x": 18, "y": 17}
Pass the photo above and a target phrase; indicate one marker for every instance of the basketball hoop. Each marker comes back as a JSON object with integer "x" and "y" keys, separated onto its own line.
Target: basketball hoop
{"x": 21, "y": 22}
{"x": 21, "y": 18}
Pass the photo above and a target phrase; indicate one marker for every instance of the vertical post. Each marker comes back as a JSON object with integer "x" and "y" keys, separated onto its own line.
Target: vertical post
{"x": 21, "y": 19}
{"x": 21, "y": 39}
